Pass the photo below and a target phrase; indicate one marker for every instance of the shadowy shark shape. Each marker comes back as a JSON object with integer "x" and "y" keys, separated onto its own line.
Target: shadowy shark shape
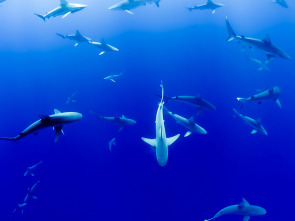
{"x": 104, "y": 47}
{"x": 112, "y": 77}
{"x": 32, "y": 168}
{"x": 209, "y": 5}
{"x": 77, "y": 37}
{"x": 30, "y": 194}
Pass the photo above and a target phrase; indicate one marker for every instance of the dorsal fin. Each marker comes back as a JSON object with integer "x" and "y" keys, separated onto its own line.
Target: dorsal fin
{"x": 123, "y": 116}
{"x": 56, "y": 111}
{"x": 77, "y": 33}
{"x": 258, "y": 121}
{"x": 192, "y": 120}
{"x": 63, "y": 2}
{"x": 245, "y": 202}
{"x": 267, "y": 39}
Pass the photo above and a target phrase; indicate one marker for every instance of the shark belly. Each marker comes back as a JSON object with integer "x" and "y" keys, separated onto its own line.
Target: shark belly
{"x": 162, "y": 153}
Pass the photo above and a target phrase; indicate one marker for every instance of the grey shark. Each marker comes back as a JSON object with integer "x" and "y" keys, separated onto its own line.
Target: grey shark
{"x": 20, "y": 207}
{"x": 64, "y": 9}
{"x": 271, "y": 94}
{"x": 244, "y": 209}
{"x": 187, "y": 123}
{"x": 71, "y": 99}
{"x": 112, "y": 143}
{"x": 112, "y": 77}
{"x": 209, "y": 5}
{"x": 77, "y": 37}
{"x": 30, "y": 194}
{"x": 264, "y": 45}
{"x": 161, "y": 142}
{"x": 262, "y": 64}
{"x": 282, "y": 3}
{"x": 127, "y": 5}
{"x": 104, "y": 47}
{"x": 157, "y": 2}
{"x": 255, "y": 124}
{"x": 121, "y": 121}
{"x": 31, "y": 169}
{"x": 56, "y": 120}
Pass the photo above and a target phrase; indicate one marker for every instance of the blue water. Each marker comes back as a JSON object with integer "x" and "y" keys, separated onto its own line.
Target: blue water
{"x": 80, "y": 178}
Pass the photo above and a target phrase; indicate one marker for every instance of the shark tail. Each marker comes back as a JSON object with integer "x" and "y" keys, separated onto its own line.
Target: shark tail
{"x": 189, "y": 8}
{"x": 40, "y": 16}
{"x": 231, "y": 32}
{"x": 60, "y": 35}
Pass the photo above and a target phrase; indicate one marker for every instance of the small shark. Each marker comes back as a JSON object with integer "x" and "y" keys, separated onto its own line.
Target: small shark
{"x": 161, "y": 142}
{"x": 256, "y": 124}
{"x": 187, "y": 123}
{"x": 30, "y": 194}
{"x": 244, "y": 209}
{"x": 112, "y": 143}
{"x": 19, "y": 207}
{"x": 153, "y": 1}
{"x": 56, "y": 120}
{"x": 128, "y": 5}
{"x": 282, "y": 3}
{"x": 64, "y": 9}
{"x": 71, "y": 98}
{"x": 104, "y": 47}
{"x": 272, "y": 94}
{"x": 208, "y": 5}
{"x": 112, "y": 77}
{"x": 31, "y": 169}
{"x": 122, "y": 121}
{"x": 262, "y": 64}
{"x": 265, "y": 45}
{"x": 77, "y": 37}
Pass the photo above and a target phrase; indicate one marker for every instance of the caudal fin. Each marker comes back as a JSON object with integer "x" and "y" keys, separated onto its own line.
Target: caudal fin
{"x": 231, "y": 33}
{"x": 242, "y": 100}
{"x": 40, "y": 16}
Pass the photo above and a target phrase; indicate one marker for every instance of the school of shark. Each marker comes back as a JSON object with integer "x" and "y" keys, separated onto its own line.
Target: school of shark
{"x": 161, "y": 142}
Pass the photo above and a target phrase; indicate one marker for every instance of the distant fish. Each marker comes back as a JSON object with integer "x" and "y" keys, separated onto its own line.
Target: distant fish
{"x": 30, "y": 194}
{"x": 121, "y": 121}
{"x": 31, "y": 169}
{"x": 127, "y": 5}
{"x": 244, "y": 209}
{"x": 64, "y": 9}
{"x": 262, "y": 64}
{"x": 112, "y": 77}
{"x": 282, "y": 3}
{"x": 157, "y": 2}
{"x": 112, "y": 143}
{"x": 104, "y": 47}
{"x": 271, "y": 94}
{"x": 209, "y": 5}
{"x": 77, "y": 37}
{"x": 19, "y": 207}
{"x": 71, "y": 98}
{"x": 255, "y": 124}
{"x": 265, "y": 45}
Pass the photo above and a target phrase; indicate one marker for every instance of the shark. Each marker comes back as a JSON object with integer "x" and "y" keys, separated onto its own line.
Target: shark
{"x": 161, "y": 142}
{"x": 271, "y": 94}
{"x": 211, "y": 5}
{"x": 187, "y": 123}
{"x": 121, "y": 121}
{"x": 71, "y": 99}
{"x": 282, "y": 3}
{"x": 20, "y": 207}
{"x": 264, "y": 45}
{"x": 255, "y": 124}
{"x": 128, "y": 5}
{"x": 157, "y": 2}
{"x": 56, "y": 120}
{"x": 244, "y": 209}
{"x": 32, "y": 168}
{"x": 77, "y": 37}
{"x": 104, "y": 47}
{"x": 262, "y": 64}
{"x": 64, "y": 9}
{"x": 112, "y": 143}
{"x": 30, "y": 194}
{"x": 112, "y": 77}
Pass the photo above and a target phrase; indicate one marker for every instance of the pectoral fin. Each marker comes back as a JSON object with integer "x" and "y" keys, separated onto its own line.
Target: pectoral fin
{"x": 171, "y": 140}
{"x": 130, "y": 12}
{"x": 253, "y": 131}
{"x": 113, "y": 80}
{"x": 101, "y": 53}
{"x": 188, "y": 133}
{"x": 246, "y": 218}
{"x": 121, "y": 128}
{"x": 151, "y": 142}
{"x": 76, "y": 44}
{"x": 278, "y": 102}
{"x": 58, "y": 131}
{"x": 66, "y": 15}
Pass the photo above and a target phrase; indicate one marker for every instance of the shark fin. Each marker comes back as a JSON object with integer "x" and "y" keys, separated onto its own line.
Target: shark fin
{"x": 130, "y": 12}
{"x": 267, "y": 39}
{"x": 60, "y": 35}
{"x": 56, "y": 111}
{"x": 278, "y": 102}
{"x": 101, "y": 53}
{"x": 123, "y": 116}
{"x": 113, "y": 80}
{"x": 269, "y": 58}
{"x": 245, "y": 202}
{"x": 246, "y": 218}
{"x": 157, "y": 4}
{"x": 40, "y": 16}
{"x": 34, "y": 197}
{"x": 191, "y": 120}
{"x": 65, "y": 15}
{"x": 63, "y": 2}
{"x": 188, "y": 133}
{"x": 121, "y": 128}
{"x": 231, "y": 32}
{"x": 77, "y": 32}
{"x": 151, "y": 142}
{"x": 253, "y": 131}
{"x": 171, "y": 140}
{"x": 58, "y": 131}
{"x": 213, "y": 12}
{"x": 76, "y": 44}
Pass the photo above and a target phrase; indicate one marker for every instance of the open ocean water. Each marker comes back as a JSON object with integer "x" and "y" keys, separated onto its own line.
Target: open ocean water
{"x": 80, "y": 178}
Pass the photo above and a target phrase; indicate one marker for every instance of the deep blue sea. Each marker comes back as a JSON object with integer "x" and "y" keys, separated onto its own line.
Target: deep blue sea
{"x": 80, "y": 178}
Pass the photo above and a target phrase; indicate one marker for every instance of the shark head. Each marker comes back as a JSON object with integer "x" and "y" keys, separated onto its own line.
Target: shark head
{"x": 75, "y": 7}
{"x": 276, "y": 90}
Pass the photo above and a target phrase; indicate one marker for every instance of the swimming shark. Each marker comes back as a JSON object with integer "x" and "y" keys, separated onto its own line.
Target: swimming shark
{"x": 262, "y": 64}
{"x": 282, "y": 3}
{"x": 153, "y": 1}
{"x": 112, "y": 77}
{"x": 77, "y": 37}
{"x": 265, "y": 45}
{"x": 255, "y": 124}
{"x": 19, "y": 207}
{"x": 56, "y": 120}
{"x": 271, "y": 94}
{"x": 71, "y": 98}
{"x": 208, "y": 5}
{"x": 161, "y": 142}
{"x": 187, "y": 123}
{"x": 244, "y": 209}
{"x": 64, "y": 9}
{"x": 127, "y": 5}
{"x": 112, "y": 143}
{"x": 31, "y": 169}
{"x": 104, "y": 47}
{"x": 30, "y": 194}
{"x": 122, "y": 121}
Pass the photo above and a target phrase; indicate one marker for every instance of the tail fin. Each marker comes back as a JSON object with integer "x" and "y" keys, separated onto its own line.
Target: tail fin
{"x": 157, "y": 4}
{"x": 231, "y": 32}
{"x": 40, "y": 16}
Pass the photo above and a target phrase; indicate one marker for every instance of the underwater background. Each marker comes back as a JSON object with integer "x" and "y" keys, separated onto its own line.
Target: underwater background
{"x": 81, "y": 179}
